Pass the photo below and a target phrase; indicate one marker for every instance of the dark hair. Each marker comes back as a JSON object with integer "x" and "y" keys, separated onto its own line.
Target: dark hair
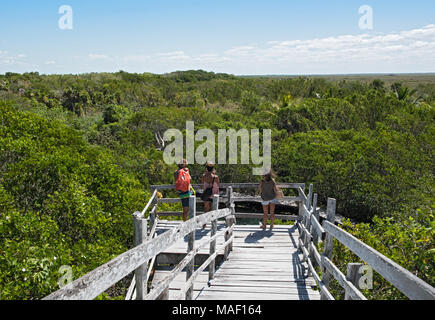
{"x": 209, "y": 169}
{"x": 269, "y": 176}
{"x": 182, "y": 164}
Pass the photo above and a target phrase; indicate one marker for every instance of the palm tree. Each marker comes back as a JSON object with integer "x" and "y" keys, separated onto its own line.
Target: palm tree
{"x": 404, "y": 93}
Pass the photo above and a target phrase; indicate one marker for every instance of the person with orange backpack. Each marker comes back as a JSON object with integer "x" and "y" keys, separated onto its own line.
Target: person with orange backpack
{"x": 183, "y": 186}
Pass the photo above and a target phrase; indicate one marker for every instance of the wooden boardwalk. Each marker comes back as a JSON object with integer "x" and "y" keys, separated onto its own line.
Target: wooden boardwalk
{"x": 262, "y": 265}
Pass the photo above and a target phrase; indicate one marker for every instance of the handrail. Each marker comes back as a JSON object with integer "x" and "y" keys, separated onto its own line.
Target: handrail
{"x": 223, "y": 199}
{"x": 153, "y": 196}
{"x": 233, "y": 185}
{"x": 310, "y": 228}
{"x": 162, "y": 284}
{"x": 131, "y": 293}
{"x": 93, "y": 283}
{"x": 406, "y": 282}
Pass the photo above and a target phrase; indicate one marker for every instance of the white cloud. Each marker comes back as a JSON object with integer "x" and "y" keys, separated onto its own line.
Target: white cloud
{"x": 8, "y": 59}
{"x": 95, "y": 56}
{"x": 400, "y": 51}
{"x": 343, "y": 49}
{"x": 174, "y": 55}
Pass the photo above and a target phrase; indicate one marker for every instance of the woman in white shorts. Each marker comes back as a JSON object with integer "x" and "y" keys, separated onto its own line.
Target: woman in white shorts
{"x": 268, "y": 191}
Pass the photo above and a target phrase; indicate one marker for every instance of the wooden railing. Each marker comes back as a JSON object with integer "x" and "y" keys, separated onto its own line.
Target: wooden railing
{"x": 228, "y": 197}
{"x": 311, "y": 232}
{"x": 148, "y": 246}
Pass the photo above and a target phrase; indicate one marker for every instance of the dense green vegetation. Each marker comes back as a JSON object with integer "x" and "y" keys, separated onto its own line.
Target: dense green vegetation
{"x": 78, "y": 153}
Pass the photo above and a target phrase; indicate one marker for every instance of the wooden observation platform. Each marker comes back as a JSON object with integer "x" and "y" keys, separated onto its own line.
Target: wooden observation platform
{"x": 229, "y": 260}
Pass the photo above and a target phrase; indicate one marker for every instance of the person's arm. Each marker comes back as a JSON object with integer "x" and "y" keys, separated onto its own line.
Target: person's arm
{"x": 275, "y": 186}
{"x": 190, "y": 178}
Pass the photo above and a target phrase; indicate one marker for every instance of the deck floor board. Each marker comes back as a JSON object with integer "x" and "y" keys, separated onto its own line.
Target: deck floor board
{"x": 263, "y": 265}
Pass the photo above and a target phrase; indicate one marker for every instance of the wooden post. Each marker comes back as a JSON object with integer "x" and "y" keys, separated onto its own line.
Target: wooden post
{"x": 310, "y": 197}
{"x": 301, "y": 211}
{"x": 164, "y": 295}
{"x": 329, "y": 241}
{"x": 153, "y": 213}
{"x": 229, "y": 196}
{"x": 140, "y": 236}
{"x": 315, "y": 214}
{"x": 211, "y": 267}
{"x": 353, "y": 276}
{"x": 308, "y": 218}
{"x": 230, "y": 220}
{"x": 229, "y": 205}
{"x": 313, "y": 231}
{"x": 190, "y": 246}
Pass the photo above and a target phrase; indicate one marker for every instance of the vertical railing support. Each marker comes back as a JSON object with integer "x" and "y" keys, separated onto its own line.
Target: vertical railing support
{"x": 313, "y": 231}
{"x": 329, "y": 241}
{"x": 308, "y": 216}
{"x": 353, "y": 275}
{"x": 190, "y": 246}
{"x": 310, "y": 197}
{"x": 212, "y": 266}
{"x": 301, "y": 208}
{"x": 316, "y": 215}
{"x": 153, "y": 213}
{"x": 140, "y": 236}
{"x": 230, "y": 220}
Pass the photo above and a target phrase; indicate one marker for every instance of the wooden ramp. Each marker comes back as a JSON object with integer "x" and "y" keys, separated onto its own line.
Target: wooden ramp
{"x": 264, "y": 265}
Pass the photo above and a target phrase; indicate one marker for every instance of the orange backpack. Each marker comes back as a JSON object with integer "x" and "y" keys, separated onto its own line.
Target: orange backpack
{"x": 183, "y": 181}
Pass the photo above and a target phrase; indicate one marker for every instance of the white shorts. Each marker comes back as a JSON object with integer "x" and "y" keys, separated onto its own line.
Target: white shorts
{"x": 266, "y": 203}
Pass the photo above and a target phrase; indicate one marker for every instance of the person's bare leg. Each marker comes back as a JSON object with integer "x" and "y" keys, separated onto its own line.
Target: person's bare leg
{"x": 265, "y": 213}
{"x": 185, "y": 213}
{"x": 207, "y": 208}
{"x": 272, "y": 215}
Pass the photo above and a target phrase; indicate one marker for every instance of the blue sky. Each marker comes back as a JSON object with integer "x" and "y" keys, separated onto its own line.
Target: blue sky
{"x": 239, "y": 37}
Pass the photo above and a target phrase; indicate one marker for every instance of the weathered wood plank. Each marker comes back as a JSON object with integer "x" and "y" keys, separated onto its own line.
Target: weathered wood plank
{"x": 208, "y": 295}
{"x": 315, "y": 254}
{"x": 190, "y": 246}
{"x": 302, "y": 283}
{"x": 186, "y": 262}
{"x": 234, "y": 185}
{"x": 258, "y": 199}
{"x": 140, "y": 237}
{"x": 92, "y": 284}
{"x": 212, "y": 250}
{"x": 351, "y": 290}
{"x": 325, "y": 294}
{"x": 260, "y": 290}
{"x": 151, "y": 201}
{"x": 410, "y": 285}
{"x": 319, "y": 231}
{"x": 329, "y": 241}
{"x": 254, "y": 277}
